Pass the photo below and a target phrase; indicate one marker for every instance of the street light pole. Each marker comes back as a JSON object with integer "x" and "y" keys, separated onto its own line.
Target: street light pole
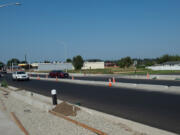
{"x": 12, "y": 67}
{"x": 65, "y": 54}
{"x": 29, "y": 65}
{"x": 10, "y": 4}
{"x": 65, "y": 51}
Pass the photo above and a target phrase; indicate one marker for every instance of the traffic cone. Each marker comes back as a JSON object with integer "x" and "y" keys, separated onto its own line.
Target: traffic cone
{"x": 38, "y": 78}
{"x": 56, "y": 79}
{"x": 110, "y": 84}
{"x": 147, "y": 75}
{"x": 114, "y": 81}
{"x": 72, "y": 77}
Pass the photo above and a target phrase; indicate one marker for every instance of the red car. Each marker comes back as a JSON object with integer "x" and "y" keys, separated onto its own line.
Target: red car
{"x": 59, "y": 74}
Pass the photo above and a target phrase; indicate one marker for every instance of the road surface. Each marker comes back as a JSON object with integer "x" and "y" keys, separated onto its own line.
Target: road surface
{"x": 151, "y": 108}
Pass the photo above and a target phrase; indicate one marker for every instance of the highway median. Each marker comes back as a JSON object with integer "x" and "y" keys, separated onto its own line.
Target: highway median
{"x": 142, "y": 87}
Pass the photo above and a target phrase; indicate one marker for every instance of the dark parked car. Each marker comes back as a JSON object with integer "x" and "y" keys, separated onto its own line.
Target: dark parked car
{"x": 59, "y": 74}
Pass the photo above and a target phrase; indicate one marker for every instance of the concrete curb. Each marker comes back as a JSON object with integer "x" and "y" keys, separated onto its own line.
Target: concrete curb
{"x": 43, "y": 103}
{"x": 142, "y": 87}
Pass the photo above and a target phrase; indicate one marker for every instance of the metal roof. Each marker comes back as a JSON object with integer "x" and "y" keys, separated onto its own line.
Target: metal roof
{"x": 171, "y": 63}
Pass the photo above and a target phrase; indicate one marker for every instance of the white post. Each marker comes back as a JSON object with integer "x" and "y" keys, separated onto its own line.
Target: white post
{"x": 54, "y": 96}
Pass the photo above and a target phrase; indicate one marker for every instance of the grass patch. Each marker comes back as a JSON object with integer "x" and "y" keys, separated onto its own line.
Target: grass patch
{"x": 4, "y": 84}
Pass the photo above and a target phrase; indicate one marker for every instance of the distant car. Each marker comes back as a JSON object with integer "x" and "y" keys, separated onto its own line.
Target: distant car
{"x": 20, "y": 75}
{"x": 59, "y": 74}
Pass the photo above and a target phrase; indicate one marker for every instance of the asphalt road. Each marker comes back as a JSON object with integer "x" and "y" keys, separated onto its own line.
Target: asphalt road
{"x": 124, "y": 80}
{"x": 151, "y": 108}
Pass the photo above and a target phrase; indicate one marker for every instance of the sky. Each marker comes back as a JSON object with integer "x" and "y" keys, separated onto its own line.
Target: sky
{"x": 95, "y": 29}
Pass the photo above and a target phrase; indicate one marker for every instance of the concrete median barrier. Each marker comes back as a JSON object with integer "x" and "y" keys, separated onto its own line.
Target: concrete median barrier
{"x": 174, "y": 89}
{"x": 152, "y": 87}
{"x": 157, "y": 77}
{"x": 144, "y": 87}
{"x": 126, "y": 85}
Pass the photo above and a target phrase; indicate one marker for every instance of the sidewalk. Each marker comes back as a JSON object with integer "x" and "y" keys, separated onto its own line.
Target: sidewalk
{"x": 7, "y": 126}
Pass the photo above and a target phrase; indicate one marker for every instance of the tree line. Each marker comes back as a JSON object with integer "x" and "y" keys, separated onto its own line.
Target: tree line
{"x": 124, "y": 62}
{"x": 128, "y": 61}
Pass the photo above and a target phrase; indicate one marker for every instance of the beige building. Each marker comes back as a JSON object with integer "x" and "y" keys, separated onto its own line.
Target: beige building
{"x": 93, "y": 65}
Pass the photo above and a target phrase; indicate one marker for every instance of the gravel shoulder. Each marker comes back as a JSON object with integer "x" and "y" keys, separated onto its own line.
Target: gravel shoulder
{"x": 38, "y": 122}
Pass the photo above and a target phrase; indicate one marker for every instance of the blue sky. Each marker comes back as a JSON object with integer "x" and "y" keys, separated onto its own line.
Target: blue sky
{"x": 104, "y": 29}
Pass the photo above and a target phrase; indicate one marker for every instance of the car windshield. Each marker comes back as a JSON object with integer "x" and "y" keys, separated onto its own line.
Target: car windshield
{"x": 59, "y": 71}
{"x": 21, "y": 72}
{"x": 53, "y": 71}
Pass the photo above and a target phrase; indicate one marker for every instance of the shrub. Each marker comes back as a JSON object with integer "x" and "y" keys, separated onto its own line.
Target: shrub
{"x": 4, "y": 84}
{"x": 78, "y": 62}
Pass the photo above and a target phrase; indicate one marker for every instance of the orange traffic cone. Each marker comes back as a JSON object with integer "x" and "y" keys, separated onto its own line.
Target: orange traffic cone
{"x": 147, "y": 75}
{"x": 72, "y": 77}
{"x": 110, "y": 84}
{"x": 56, "y": 79}
{"x": 114, "y": 81}
{"x": 38, "y": 78}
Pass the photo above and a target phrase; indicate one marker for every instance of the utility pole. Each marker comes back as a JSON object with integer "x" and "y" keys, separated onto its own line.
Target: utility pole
{"x": 65, "y": 51}
{"x": 12, "y": 67}
{"x": 65, "y": 54}
{"x": 29, "y": 65}
{"x": 25, "y": 58}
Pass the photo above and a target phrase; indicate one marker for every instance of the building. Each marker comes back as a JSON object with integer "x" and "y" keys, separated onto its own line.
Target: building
{"x": 93, "y": 65}
{"x": 110, "y": 64}
{"x": 54, "y": 66}
{"x": 34, "y": 65}
{"x": 171, "y": 65}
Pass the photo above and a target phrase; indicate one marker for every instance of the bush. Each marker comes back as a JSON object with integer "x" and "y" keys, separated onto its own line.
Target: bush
{"x": 78, "y": 62}
{"x": 125, "y": 62}
{"x": 4, "y": 84}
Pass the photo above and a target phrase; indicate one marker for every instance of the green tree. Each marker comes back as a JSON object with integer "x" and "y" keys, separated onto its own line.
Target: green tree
{"x": 125, "y": 62}
{"x": 1, "y": 65}
{"x": 68, "y": 60}
{"x": 78, "y": 62}
{"x": 167, "y": 57}
{"x": 14, "y": 61}
{"x": 149, "y": 62}
{"x": 47, "y": 61}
